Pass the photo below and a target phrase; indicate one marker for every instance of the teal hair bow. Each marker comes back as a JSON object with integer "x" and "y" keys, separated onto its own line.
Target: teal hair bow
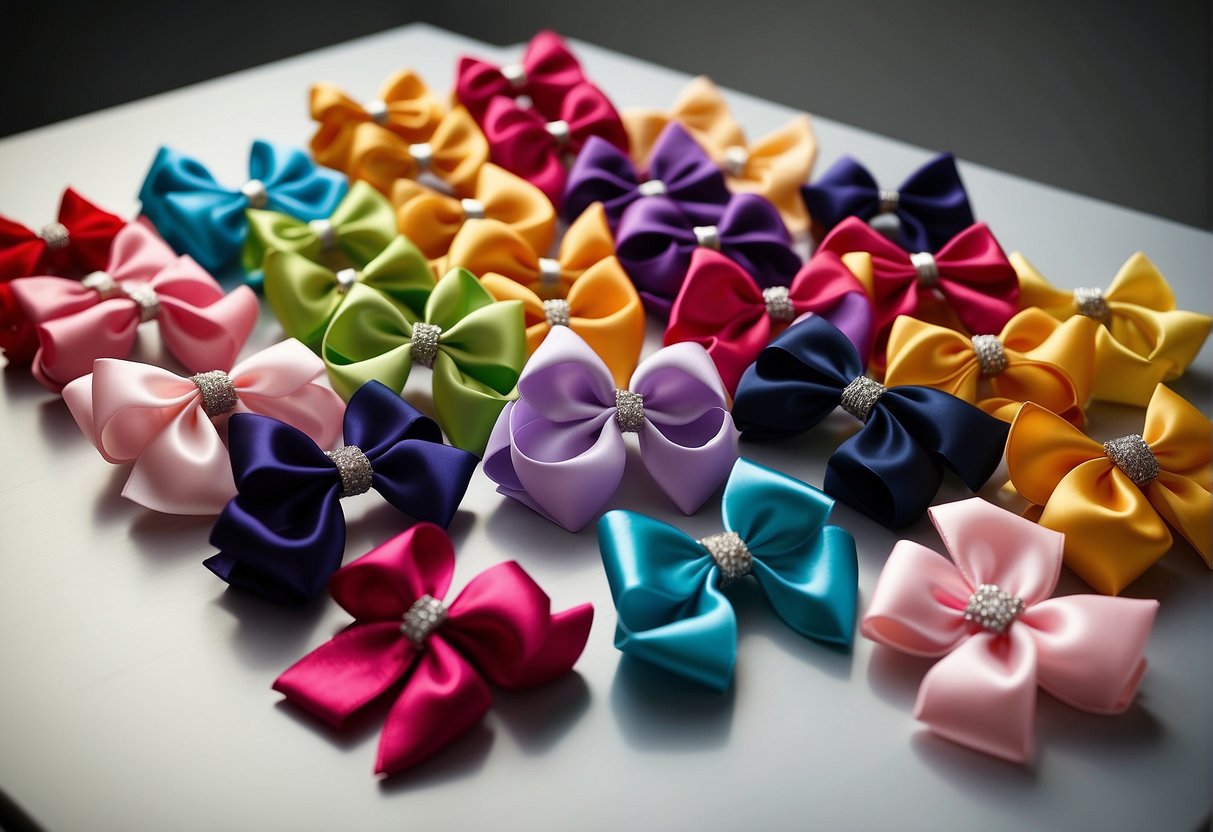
{"x": 667, "y": 586}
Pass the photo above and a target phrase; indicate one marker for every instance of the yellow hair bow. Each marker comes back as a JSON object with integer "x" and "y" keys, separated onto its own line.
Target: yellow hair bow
{"x": 452, "y": 154}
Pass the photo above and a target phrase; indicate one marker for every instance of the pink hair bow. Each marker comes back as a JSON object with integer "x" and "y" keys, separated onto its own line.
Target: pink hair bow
{"x": 174, "y": 429}
{"x": 80, "y": 321}
{"x": 500, "y": 629}
{"x": 988, "y": 616}
{"x": 546, "y": 73}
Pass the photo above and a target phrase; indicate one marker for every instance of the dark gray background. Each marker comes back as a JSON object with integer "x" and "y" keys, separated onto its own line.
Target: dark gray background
{"x": 1110, "y": 99}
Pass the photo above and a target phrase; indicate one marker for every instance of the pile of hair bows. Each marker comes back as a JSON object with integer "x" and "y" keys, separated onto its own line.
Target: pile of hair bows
{"x": 421, "y": 233}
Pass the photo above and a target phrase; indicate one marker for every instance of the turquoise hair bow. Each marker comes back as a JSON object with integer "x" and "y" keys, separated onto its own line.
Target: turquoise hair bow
{"x": 206, "y": 220}
{"x": 667, "y": 586}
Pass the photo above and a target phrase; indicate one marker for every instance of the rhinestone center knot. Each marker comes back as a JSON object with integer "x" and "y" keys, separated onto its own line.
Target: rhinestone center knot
{"x": 218, "y": 392}
{"x": 147, "y": 300}
{"x": 732, "y": 556}
{"x": 256, "y": 194}
{"x": 1090, "y": 302}
{"x": 629, "y": 411}
{"x": 990, "y": 354}
{"x": 558, "y": 130}
{"x": 54, "y": 234}
{"x": 422, "y": 155}
{"x": 860, "y": 395}
{"x": 927, "y": 268}
{"x": 377, "y": 110}
{"x": 549, "y": 272}
{"x": 1135, "y": 457}
{"x": 556, "y": 311}
{"x": 735, "y": 160}
{"x": 992, "y": 608}
{"x": 473, "y": 209}
{"x": 889, "y": 201}
{"x": 425, "y": 343}
{"x": 423, "y": 618}
{"x": 779, "y": 304}
{"x": 354, "y": 469}
{"x": 103, "y": 284}
{"x": 325, "y": 231}
{"x": 346, "y": 278}
{"x": 515, "y": 74}
{"x": 707, "y": 236}
{"x": 653, "y": 187}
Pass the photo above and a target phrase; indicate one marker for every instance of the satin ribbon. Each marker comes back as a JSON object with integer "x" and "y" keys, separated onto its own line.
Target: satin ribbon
{"x": 559, "y": 449}
{"x": 450, "y": 156}
{"x": 283, "y": 534}
{"x": 499, "y": 629}
{"x": 972, "y": 287}
{"x": 431, "y": 220}
{"x": 656, "y": 240}
{"x": 201, "y": 218}
{"x": 1143, "y": 339}
{"x": 164, "y": 424}
{"x": 1035, "y": 358}
{"x": 536, "y": 148}
{"x": 678, "y": 168}
{"x": 931, "y": 205}
{"x": 723, "y": 309}
{"x": 774, "y": 166}
{"x": 547, "y": 73}
{"x": 305, "y": 295}
{"x": 476, "y": 354}
{"x": 892, "y": 468}
{"x": 1087, "y": 651}
{"x": 405, "y": 108}
{"x": 667, "y": 587}
{"x": 78, "y": 242}
{"x": 76, "y": 324}
{"x": 1116, "y": 519}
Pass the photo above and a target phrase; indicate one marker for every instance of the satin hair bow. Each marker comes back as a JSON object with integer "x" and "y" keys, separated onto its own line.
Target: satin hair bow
{"x": 405, "y": 108}
{"x": 656, "y": 240}
{"x": 547, "y": 73}
{"x": 667, "y": 587}
{"x": 1115, "y": 501}
{"x": 774, "y": 166}
{"x": 475, "y": 346}
{"x": 499, "y": 629}
{"x": 431, "y": 220}
{"x": 987, "y": 616}
{"x": 172, "y": 427}
{"x": 450, "y": 157}
{"x": 1143, "y": 339}
{"x": 931, "y": 206}
{"x": 677, "y": 168}
{"x": 889, "y": 470}
{"x": 76, "y": 243}
{"x": 1035, "y": 358}
{"x": 560, "y": 450}
{"x": 528, "y": 144}
{"x": 283, "y": 534}
{"x": 306, "y": 295}
{"x": 207, "y": 221}
{"x": 968, "y": 284}
{"x": 721, "y": 307}
{"x": 78, "y": 322}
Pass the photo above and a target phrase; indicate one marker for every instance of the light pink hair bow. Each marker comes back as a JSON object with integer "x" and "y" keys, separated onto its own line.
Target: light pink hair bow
{"x": 80, "y": 321}
{"x": 173, "y": 428}
{"x": 988, "y": 615}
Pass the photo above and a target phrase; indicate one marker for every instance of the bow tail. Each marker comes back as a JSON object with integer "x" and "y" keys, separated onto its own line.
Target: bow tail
{"x": 69, "y": 345}
{"x": 210, "y": 336}
{"x": 467, "y": 408}
{"x": 815, "y": 594}
{"x": 424, "y": 479}
{"x": 1184, "y": 504}
{"x": 183, "y": 469}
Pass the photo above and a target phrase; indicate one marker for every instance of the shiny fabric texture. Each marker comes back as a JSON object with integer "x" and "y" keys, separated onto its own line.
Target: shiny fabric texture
{"x": 206, "y": 220}
{"x": 892, "y": 468}
{"x": 499, "y": 629}
{"x": 549, "y": 72}
{"x": 723, "y": 309}
{"x": 1115, "y": 530}
{"x": 199, "y": 325}
{"x": 932, "y": 204}
{"x": 480, "y": 351}
{"x": 560, "y": 449}
{"x": 456, "y": 152}
{"x": 1087, "y": 651}
{"x": 137, "y": 413}
{"x": 1145, "y": 339}
{"x": 283, "y": 534}
{"x": 668, "y": 590}
{"x": 656, "y": 239}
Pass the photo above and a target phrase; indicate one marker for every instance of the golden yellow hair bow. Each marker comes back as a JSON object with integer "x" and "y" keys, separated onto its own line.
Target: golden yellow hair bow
{"x": 452, "y": 154}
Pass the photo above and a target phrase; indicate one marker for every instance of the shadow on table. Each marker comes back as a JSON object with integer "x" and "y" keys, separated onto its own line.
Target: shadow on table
{"x": 538, "y": 718}
{"x": 660, "y": 711}
{"x": 271, "y": 635}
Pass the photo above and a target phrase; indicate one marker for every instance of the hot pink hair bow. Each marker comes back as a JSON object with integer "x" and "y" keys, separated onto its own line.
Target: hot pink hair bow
{"x": 990, "y": 610}
{"x": 80, "y": 321}
{"x": 547, "y": 72}
{"x": 500, "y": 629}
{"x": 174, "y": 429}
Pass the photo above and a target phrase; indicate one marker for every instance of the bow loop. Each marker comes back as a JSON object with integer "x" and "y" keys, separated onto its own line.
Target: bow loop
{"x": 547, "y": 73}
{"x": 700, "y": 108}
{"x": 775, "y": 167}
{"x": 453, "y": 155}
{"x": 77, "y": 243}
{"x": 384, "y": 583}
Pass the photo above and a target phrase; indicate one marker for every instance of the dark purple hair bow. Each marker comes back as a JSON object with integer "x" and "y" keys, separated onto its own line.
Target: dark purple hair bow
{"x": 931, "y": 205}
{"x": 656, "y": 239}
{"x": 677, "y": 168}
{"x": 283, "y": 534}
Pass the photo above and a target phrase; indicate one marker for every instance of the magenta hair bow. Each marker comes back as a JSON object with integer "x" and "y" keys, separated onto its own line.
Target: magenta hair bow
{"x": 78, "y": 322}
{"x": 987, "y": 615}
{"x": 545, "y": 75}
{"x": 500, "y": 629}
{"x": 559, "y": 448}
{"x": 174, "y": 429}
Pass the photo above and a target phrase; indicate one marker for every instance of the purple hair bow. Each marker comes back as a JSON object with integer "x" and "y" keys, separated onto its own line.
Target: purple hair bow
{"x": 559, "y": 448}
